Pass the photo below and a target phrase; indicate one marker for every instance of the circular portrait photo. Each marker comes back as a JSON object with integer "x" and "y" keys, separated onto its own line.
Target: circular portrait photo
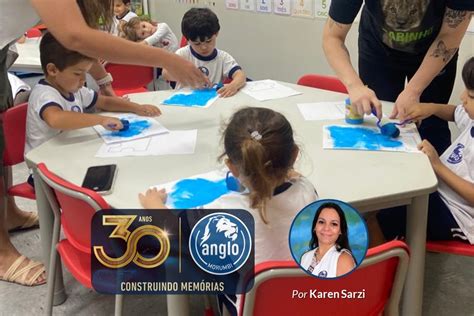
{"x": 328, "y": 239}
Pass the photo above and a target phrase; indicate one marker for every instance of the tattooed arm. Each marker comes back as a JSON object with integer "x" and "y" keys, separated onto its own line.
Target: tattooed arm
{"x": 439, "y": 54}
{"x": 334, "y": 36}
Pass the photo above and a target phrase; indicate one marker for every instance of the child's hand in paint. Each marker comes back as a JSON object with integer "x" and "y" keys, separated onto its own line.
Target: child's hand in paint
{"x": 153, "y": 198}
{"x": 111, "y": 123}
{"x": 147, "y": 110}
{"x": 428, "y": 149}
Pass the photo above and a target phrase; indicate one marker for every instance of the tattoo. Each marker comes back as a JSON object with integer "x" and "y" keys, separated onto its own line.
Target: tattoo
{"x": 442, "y": 51}
{"x": 454, "y": 17}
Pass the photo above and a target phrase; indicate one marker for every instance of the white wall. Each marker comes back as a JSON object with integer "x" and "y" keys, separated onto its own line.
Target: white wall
{"x": 277, "y": 47}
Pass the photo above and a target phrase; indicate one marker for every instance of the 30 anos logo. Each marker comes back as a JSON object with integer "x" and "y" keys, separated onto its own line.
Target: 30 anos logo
{"x": 220, "y": 243}
{"x": 122, "y": 223}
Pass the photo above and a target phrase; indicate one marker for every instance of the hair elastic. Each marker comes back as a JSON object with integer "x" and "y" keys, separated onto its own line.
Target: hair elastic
{"x": 256, "y": 135}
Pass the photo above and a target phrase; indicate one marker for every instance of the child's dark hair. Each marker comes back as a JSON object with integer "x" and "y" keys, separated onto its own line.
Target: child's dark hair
{"x": 199, "y": 24}
{"x": 259, "y": 142}
{"x": 468, "y": 74}
{"x": 51, "y": 51}
{"x": 342, "y": 241}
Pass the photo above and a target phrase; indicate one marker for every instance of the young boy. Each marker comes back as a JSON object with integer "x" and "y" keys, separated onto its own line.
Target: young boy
{"x": 59, "y": 101}
{"x": 122, "y": 14}
{"x": 150, "y": 33}
{"x": 200, "y": 26}
{"x": 451, "y": 208}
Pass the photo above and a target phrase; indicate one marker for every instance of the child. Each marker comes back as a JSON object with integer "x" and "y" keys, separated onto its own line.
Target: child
{"x": 451, "y": 208}
{"x": 200, "y": 26}
{"x": 58, "y": 102}
{"x": 260, "y": 151}
{"x": 150, "y": 33}
{"x": 122, "y": 15}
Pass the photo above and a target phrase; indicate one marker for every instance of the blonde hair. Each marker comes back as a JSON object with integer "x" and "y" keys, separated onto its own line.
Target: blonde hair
{"x": 97, "y": 13}
{"x": 128, "y": 29}
{"x": 259, "y": 142}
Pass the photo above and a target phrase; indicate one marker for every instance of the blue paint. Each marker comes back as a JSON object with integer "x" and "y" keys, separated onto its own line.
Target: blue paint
{"x": 196, "y": 98}
{"x": 134, "y": 128}
{"x": 360, "y": 137}
{"x": 191, "y": 193}
{"x": 390, "y": 130}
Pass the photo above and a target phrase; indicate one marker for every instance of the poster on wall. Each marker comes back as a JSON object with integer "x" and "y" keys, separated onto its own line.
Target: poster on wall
{"x": 282, "y": 7}
{"x": 322, "y": 8}
{"x": 140, "y": 7}
{"x": 264, "y": 6}
{"x": 303, "y": 8}
{"x": 247, "y": 5}
{"x": 232, "y": 4}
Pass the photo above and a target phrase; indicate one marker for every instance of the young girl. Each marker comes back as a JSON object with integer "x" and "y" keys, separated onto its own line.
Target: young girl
{"x": 260, "y": 151}
{"x": 122, "y": 14}
{"x": 150, "y": 33}
{"x": 451, "y": 208}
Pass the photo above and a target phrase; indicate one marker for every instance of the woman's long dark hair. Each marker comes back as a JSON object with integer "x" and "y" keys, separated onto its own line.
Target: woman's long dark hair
{"x": 342, "y": 241}
{"x": 94, "y": 11}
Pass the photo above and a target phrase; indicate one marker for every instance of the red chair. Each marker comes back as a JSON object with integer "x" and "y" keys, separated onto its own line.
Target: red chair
{"x": 14, "y": 130}
{"x": 129, "y": 78}
{"x": 33, "y": 32}
{"x": 452, "y": 247}
{"x": 73, "y": 208}
{"x": 322, "y": 82}
{"x": 381, "y": 275}
{"x": 183, "y": 42}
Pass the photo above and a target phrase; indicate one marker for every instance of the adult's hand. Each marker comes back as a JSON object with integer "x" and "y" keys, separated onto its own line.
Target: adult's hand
{"x": 405, "y": 99}
{"x": 186, "y": 73}
{"x": 363, "y": 99}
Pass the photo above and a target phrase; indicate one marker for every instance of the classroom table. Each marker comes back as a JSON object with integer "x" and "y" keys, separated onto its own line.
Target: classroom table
{"x": 28, "y": 57}
{"x": 367, "y": 180}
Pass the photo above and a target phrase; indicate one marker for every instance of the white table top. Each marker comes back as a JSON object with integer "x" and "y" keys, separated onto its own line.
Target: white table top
{"x": 28, "y": 56}
{"x": 367, "y": 179}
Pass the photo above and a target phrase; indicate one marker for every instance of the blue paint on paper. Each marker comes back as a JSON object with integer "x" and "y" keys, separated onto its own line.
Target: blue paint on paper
{"x": 191, "y": 193}
{"x": 362, "y": 138}
{"x": 134, "y": 128}
{"x": 196, "y": 98}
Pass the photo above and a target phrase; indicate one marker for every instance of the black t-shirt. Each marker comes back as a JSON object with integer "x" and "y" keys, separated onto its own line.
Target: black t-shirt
{"x": 401, "y": 30}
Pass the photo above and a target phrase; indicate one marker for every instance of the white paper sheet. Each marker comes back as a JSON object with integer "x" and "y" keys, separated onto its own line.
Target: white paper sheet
{"x": 321, "y": 111}
{"x": 263, "y": 90}
{"x": 361, "y": 137}
{"x": 140, "y": 127}
{"x": 172, "y": 143}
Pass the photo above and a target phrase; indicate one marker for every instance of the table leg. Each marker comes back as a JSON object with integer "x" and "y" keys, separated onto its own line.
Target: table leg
{"x": 417, "y": 214}
{"x": 46, "y": 219}
{"x": 178, "y": 305}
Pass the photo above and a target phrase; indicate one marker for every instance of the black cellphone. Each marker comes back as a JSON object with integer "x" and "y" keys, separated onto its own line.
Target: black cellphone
{"x": 100, "y": 178}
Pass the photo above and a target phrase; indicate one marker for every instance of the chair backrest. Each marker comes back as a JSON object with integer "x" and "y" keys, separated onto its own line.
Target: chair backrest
{"x": 381, "y": 275}
{"x": 183, "y": 42}
{"x": 33, "y": 32}
{"x": 14, "y": 130}
{"x": 451, "y": 246}
{"x": 322, "y": 82}
{"x": 129, "y": 76}
{"x": 77, "y": 206}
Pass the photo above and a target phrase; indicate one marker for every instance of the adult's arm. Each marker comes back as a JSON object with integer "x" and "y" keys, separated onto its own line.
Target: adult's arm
{"x": 441, "y": 51}
{"x": 64, "y": 19}
{"x": 337, "y": 54}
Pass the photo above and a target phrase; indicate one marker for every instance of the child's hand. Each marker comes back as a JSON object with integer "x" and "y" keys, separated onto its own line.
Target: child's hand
{"x": 227, "y": 90}
{"x": 147, "y": 110}
{"x": 428, "y": 149}
{"x": 111, "y": 123}
{"x": 153, "y": 198}
{"x": 418, "y": 111}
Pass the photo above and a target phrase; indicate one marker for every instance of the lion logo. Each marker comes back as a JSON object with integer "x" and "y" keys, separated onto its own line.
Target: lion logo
{"x": 220, "y": 224}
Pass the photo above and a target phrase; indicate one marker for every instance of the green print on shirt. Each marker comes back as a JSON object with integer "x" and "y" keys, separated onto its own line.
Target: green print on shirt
{"x": 408, "y": 37}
